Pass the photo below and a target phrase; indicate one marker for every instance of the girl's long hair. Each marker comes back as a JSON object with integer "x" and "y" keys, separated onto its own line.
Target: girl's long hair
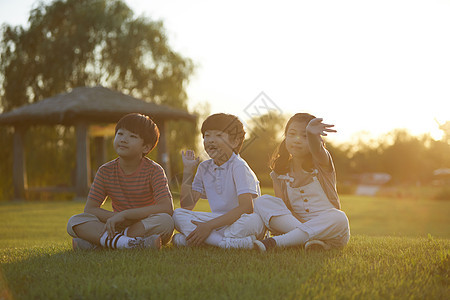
{"x": 281, "y": 157}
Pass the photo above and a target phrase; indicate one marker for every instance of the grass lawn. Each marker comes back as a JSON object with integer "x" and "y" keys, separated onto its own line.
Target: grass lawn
{"x": 399, "y": 249}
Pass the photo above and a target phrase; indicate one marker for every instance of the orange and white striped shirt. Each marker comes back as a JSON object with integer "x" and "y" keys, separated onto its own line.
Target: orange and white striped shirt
{"x": 146, "y": 186}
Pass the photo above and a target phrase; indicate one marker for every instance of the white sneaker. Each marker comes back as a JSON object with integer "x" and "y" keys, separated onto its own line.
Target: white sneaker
{"x": 240, "y": 243}
{"x": 264, "y": 245}
{"x": 80, "y": 244}
{"x": 259, "y": 246}
{"x": 314, "y": 245}
{"x": 153, "y": 241}
{"x": 179, "y": 240}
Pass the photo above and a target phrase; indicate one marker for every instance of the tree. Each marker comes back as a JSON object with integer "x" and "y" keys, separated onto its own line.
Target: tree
{"x": 445, "y": 127}
{"x": 404, "y": 158}
{"x": 72, "y": 43}
{"x": 408, "y": 159}
{"x": 264, "y": 134}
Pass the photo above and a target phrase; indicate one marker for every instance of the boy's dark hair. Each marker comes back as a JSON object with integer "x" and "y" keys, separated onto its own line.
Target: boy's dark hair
{"x": 227, "y": 123}
{"x": 141, "y": 125}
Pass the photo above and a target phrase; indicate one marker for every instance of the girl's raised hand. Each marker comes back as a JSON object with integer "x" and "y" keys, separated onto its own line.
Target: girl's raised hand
{"x": 189, "y": 159}
{"x": 316, "y": 127}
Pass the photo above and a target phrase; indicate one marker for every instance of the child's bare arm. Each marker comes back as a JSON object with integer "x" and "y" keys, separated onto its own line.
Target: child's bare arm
{"x": 164, "y": 205}
{"x": 188, "y": 197}
{"x": 93, "y": 207}
{"x": 203, "y": 230}
{"x": 245, "y": 207}
{"x": 315, "y": 130}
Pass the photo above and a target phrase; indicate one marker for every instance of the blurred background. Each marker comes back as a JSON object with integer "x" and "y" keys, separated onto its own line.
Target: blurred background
{"x": 378, "y": 70}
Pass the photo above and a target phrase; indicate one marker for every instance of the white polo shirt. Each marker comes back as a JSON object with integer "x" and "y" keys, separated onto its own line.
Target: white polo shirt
{"x": 222, "y": 185}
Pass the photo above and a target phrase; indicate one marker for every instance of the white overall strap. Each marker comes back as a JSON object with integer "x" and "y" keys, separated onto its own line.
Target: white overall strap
{"x": 287, "y": 202}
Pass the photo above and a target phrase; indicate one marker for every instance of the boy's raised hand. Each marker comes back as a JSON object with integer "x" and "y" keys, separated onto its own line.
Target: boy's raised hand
{"x": 316, "y": 127}
{"x": 190, "y": 162}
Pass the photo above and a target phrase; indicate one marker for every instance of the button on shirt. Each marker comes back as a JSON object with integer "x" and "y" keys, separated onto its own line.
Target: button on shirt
{"x": 309, "y": 198}
{"x": 221, "y": 185}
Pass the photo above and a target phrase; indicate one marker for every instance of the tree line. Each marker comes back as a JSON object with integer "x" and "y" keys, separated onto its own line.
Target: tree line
{"x": 72, "y": 43}
{"x": 408, "y": 159}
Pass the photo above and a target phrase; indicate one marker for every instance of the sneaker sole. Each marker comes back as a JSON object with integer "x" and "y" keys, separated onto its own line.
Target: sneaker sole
{"x": 176, "y": 243}
{"x": 259, "y": 246}
{"x": 155, "y": 244}
{"x": 158, "y": 243}
{"x": 316, "y": 246}
{"x": 76, "y": 246}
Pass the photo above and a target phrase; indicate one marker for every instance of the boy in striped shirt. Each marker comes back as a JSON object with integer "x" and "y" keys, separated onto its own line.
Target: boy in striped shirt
{"x": 137, "y": 186}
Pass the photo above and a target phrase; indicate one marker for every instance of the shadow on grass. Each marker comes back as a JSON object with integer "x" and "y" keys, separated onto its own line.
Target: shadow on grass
{"x": 368, "y": 268}
{"x": 201, "y": 273}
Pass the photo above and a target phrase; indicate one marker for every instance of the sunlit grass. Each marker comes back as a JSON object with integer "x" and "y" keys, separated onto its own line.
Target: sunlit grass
{"x": 38, "y": 224}
{"x": 377, "y": 216}
{"x": 368, "y": 268}
{"x": 399, "y": 249}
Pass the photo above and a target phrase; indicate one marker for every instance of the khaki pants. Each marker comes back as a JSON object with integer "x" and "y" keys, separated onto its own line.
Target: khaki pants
{"x": 161, "y": 224}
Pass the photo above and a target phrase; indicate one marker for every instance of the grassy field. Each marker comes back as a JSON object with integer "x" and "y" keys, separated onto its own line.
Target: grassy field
{"x": 400, "y": 249}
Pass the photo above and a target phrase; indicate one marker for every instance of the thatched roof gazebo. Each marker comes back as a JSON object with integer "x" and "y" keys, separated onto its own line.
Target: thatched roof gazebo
{"x": 82, "y": 107}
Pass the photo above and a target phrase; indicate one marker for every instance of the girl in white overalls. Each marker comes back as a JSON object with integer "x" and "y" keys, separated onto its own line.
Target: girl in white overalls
{"x": 306, "y": 209}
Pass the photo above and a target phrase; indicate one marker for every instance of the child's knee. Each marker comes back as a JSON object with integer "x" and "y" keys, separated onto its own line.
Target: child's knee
{"x": 246, "y": 225}
{"x": 256, "y": 221}
{"x": 77, "y": 220}
{"x": 261, "y": 201}
{"x": 181, "y": 211}
{"x": 166, "y": 227}
{"x": 267, "y": 202}
{"x": 167, "y": 223}
{"x": 160, "y": 224}
{"x": 70, "y": 225}
{"x": 179, "y": 216}
{"x": 341, "y": 227}
{"x": 341, "y": 220}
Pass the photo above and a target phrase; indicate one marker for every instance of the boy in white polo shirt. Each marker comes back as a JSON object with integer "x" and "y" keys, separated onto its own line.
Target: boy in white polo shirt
{"x": 227, "y": 182}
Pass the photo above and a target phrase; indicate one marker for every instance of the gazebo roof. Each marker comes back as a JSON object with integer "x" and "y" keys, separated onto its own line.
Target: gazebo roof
{"x": 92, "y": 104}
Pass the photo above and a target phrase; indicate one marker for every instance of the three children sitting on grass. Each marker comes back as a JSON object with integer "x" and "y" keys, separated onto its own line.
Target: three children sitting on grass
{"x": 142, "y": 203}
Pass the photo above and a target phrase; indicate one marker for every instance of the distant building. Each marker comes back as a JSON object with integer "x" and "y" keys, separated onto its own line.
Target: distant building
{"x": 441, "y": 176}
{"x": 370, "y": 183}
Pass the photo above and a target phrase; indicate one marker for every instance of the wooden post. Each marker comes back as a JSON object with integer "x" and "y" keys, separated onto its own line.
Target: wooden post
{"x": 19, "y": 169}
{"x": 83, "y": 161}
{"x": 100, "y": 151}
{"x": 163, "y": 152}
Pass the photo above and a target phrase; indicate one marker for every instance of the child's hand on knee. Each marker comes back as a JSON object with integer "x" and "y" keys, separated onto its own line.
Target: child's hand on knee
{"x": 200, "y": 234}
{"x": 112, "y": 222}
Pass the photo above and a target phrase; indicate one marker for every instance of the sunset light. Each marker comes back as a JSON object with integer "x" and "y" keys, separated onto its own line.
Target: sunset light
{"x": 363, "y": 65}
{"x": 195, "y": 149}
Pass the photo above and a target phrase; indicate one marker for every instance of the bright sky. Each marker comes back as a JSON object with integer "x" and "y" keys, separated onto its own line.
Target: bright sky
{"x": 361, "y": 65}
